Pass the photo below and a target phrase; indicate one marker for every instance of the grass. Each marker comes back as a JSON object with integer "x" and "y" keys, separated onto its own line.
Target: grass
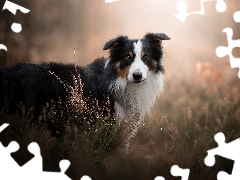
{"x": 179, "y": 131}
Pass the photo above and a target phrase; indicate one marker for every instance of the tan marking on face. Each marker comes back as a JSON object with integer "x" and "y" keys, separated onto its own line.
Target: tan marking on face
{"x": 157, "y": 41}
{"x": 154, "y": 65}
{"x": 113, "y": 46}
{"x": 130, "y": 54}
{"x": 142, "y": 54}
{"x": 121, "y": 72}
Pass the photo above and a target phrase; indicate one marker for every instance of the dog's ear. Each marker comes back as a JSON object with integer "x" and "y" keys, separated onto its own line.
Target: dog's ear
{"x": 156, "y": 38}
{"x": 114, "y": 43}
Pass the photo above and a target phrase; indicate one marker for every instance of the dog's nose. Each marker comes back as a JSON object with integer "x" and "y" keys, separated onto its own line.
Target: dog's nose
{"x": 137, "y": 75}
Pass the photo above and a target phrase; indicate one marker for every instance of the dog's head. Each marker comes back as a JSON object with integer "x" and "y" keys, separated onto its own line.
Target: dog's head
{"x": 134, "y": 59}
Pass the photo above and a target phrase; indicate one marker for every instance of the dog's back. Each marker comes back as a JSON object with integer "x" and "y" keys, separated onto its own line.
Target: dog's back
{"x": 34, "y": 85}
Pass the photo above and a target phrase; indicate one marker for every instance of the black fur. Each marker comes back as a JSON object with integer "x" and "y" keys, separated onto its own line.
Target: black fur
{"x": 34, "y": 85}
{"x": 120, "y": 47}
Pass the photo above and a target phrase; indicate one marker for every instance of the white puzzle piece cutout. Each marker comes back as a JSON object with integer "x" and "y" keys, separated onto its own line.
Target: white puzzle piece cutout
{"x": 8, "y": 164}
{"x": 236, "y": 16}
{"x": 182, "y": 9}
{"x": 159, "y": 178}
{"x": 12, "y": 7}
{"x": 227, "y": 150}
{"x": 16, "y": 27}
{"x": 110, "y": 1}
{"x": 2, "y": 46}
{"x": 177, "y": 171}
{"x": 33, "y": 169}
{"x": 222, "y": 51}
{"x": 3, "y": 126}
{"x": 35, "y": 164}
{"x": 85, "y": 177}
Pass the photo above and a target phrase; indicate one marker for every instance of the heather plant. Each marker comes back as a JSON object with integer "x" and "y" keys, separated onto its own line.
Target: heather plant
{"x": 89, "y": 118}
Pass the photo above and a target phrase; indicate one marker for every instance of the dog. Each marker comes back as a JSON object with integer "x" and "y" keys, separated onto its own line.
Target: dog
{"x": 138, "y": 76}
{"x": 131, "y": 79}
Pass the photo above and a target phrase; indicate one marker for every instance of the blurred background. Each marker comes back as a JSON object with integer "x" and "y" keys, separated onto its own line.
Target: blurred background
{"x": 201, "y": 95}
{"x": 53, "y": 29}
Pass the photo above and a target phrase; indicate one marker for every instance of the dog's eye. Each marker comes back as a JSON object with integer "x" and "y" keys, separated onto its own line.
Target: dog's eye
{"x": 145, "y": 56}
{"x": 127, "y": 57}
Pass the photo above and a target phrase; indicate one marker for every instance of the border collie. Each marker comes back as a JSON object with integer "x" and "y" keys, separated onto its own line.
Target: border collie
{"x": 131, "y": 78}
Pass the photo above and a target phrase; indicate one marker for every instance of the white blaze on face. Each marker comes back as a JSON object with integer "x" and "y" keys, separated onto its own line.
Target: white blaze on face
{"x": 137, "y": 65}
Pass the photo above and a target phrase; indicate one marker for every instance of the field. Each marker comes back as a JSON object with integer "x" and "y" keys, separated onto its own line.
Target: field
{"x": 180, "y": 130}
{"x": 201, "y": 95}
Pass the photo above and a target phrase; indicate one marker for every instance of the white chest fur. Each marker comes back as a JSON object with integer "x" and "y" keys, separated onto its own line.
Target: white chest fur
{"x": 134, "y": 101}
{"x": 137, "y": 99}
